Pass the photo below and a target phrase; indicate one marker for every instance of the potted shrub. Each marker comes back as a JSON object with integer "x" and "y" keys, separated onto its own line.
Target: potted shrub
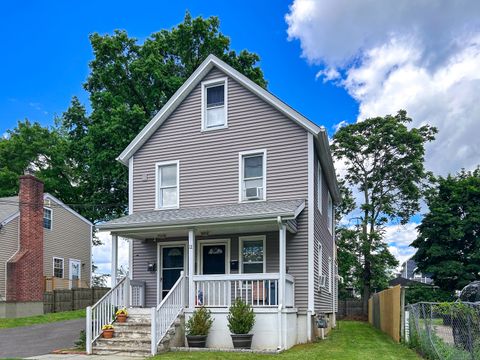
{"x": 241, "y": 319}
{"x": 107, "y": 331}
{"x": 198, "y": 326}
{"x": 121, "y": 315}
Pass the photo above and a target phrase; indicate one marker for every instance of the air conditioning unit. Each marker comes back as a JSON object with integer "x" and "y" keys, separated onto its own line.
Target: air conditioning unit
{"x": 254, "y": 193}
{"x": 322, "y": 281}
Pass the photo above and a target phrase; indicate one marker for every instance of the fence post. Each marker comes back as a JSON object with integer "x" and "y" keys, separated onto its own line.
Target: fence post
{"x": 88, "y": 330}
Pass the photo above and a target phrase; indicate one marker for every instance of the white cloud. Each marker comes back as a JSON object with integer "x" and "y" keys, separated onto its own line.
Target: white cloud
{"x": 421, "y": 56}
{"x": 399, "y": 238}
{"x": 102, "y": 254}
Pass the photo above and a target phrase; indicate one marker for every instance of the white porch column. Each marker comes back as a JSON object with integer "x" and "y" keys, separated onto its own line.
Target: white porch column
{"x": 191, "y": 268}
{"x": 282, "y": 263}
{"x": 113, "y": 273}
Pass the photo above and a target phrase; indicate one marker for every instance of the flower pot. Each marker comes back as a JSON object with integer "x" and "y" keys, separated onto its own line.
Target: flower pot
{"x": 107, "y": 334}
{"x": 198, "y": 341}
{"x": 242, "y": 341}
{"x": 121, "y": 318}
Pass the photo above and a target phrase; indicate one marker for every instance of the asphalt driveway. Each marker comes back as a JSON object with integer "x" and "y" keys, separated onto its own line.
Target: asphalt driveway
{"x": 26, "y": 341}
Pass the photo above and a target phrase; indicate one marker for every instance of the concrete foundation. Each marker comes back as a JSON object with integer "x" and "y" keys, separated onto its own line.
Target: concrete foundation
{"x": 20, "y": 309}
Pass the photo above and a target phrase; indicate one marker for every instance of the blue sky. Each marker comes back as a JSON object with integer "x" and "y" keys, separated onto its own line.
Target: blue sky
{"x": 334, "y": 61}
{"x": 46, "y": 52}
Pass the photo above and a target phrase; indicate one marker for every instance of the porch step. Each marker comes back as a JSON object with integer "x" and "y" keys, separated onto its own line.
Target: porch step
{"x": 122, "y": 352}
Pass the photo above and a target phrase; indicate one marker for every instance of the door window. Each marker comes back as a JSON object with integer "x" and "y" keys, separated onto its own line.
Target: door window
{"x": 213, "y": 259}
{"x": 172, "y": 265}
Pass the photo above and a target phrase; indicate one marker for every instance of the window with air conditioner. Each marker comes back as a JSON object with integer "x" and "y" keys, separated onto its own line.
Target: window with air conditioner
{"x": 214, "y": 104}
{"x": 253, "y": 176}
{"x": 167, "y": 175}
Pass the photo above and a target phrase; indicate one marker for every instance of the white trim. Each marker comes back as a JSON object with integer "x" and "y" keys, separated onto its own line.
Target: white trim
{"x": 51, "y": 218}
{"x": 91, "y": 257}
{"x": 169, "y": 244}
{"x": 130, "y": 185}
{"x": 211, "y": 83}
{"x": 157, "y": 184}
{"x": 63, "y": 266}
{"x": 201, "y": 243}
{"x": 66, "y": 207}
{"x": 10, "y": 218}
{"x": 189, "y": 85}
{"x": 241, "y": 240}
{"x": 319, "y": 187}
{"x": 330, "y": 278}
{"x": 311, "y": 239}
{"x": 241, "y": 155}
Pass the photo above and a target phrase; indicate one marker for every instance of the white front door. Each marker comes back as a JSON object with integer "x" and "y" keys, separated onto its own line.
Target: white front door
{"x": 74, "y": 274}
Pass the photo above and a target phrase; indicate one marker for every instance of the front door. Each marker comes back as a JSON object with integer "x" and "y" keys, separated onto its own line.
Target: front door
{"x": 214, "y": 259}
{"x": 74, "y": 273}
{"x": 172, "y": 263}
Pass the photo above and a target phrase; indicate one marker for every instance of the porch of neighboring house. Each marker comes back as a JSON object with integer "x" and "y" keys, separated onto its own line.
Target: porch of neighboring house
{"x": 177, "y": 268}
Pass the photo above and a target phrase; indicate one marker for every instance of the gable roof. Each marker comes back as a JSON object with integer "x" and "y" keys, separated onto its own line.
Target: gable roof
{"x": 9, "y": 208}
{"x": 210, "y": 62}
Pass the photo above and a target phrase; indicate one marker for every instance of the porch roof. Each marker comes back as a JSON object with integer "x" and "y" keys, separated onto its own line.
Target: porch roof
{"x": 241, "y": 212}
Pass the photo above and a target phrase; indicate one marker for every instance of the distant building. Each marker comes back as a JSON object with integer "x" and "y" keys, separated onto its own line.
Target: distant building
{"x": 409, "y": 271}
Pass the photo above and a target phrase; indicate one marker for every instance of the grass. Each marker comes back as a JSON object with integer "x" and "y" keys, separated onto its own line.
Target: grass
{"x": 41, "y": 319}
{"x": 351, "y": 340}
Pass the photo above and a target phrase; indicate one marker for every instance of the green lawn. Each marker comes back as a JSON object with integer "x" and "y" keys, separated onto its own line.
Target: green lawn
{"x": 351, "y": 340}
{"x": 41, "y": 319}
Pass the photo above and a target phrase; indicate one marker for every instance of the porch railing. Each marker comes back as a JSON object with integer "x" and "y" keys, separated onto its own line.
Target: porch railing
{"x": 258, "y": 290}
{"x": 103, "y": 312}
{"x": 167, "y": 312}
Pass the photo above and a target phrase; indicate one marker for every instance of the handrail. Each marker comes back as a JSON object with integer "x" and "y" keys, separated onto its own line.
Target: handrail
{"x": 103, "y": 311}
{"x": 164, "y": 315}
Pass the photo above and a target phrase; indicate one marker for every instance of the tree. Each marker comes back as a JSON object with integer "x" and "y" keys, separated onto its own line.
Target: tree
{"x": 128, "y": 83}
{"x": 448, "y": 239}
{"x": 384, "y": 166}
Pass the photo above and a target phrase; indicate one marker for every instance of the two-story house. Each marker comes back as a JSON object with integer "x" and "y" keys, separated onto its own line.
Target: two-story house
{"x": 231, "y": 194}
{"x": 44, "y": 245}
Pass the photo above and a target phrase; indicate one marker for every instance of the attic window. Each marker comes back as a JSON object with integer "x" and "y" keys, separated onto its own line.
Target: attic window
{"x": 214, "y": 104}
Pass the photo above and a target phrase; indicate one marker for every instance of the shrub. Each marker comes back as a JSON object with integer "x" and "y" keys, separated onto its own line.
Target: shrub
{"x": 81, "y": 343}
{"x": 199, "y": 323}
{"x": 241, "y": 317}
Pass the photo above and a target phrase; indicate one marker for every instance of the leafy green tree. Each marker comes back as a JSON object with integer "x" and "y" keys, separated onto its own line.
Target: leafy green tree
{"x": 448, "y": 242}
{"x": 128, "y": 83}
{"x": 384, "y": 165}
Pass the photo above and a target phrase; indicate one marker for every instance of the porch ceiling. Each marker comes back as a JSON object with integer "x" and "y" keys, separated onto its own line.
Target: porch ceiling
{"x": 241, "y": 217}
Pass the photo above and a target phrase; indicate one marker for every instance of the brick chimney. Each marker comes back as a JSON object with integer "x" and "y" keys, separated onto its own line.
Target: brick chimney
{"x": 25, "y": 281}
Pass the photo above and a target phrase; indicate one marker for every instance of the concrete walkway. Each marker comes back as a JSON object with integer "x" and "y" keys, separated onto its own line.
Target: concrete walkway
{"x": 83, "y": 357}
{"x": 27, "y": 341}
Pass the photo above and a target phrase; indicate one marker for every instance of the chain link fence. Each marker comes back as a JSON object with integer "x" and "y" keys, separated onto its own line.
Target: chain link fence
{"x": 444, "y": 331}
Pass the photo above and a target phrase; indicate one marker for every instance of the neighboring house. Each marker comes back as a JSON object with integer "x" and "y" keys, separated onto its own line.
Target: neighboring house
{"x": 409, "y": 271}
{"x": 44, "y": 245}
{"x": 234, "y": 189}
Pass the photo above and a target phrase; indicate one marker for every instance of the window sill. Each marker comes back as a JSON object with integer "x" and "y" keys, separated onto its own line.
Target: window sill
{"x": 214, "y": 128}
{"x": 251, "y": 201}
{"x": 167, "y": 208}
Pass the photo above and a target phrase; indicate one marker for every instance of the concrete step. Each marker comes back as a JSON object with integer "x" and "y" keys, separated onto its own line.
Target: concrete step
{"x": 134, "y": 322}
{"x": 122, "y": 352}
{"x": 126, "y": 332}
{"x": 134, "y": 344}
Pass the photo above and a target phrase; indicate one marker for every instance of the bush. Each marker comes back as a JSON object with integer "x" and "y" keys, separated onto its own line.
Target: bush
{"x": 241, "y": 317}
{"x": 424, "y": 293}
{"x": 199, "y": 323}
{"x": 81, "y": 343}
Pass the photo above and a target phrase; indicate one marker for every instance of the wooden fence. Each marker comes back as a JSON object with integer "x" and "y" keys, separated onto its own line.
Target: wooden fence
{"x": 74, "y": 299}
{"x": 351, "y": 309}
{"x": 385, "y": 311}
{"x": 54, "y": 283}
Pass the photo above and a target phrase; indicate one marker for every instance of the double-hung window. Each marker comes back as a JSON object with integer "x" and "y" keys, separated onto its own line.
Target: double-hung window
{"x": 58, "y": 267}
{"x": 47, "y": 218}
{"x": 167, "y": 185}
{"x": 214, "y": 104}
{"x": 319, "y": 186}
{"x": 252, "y": 253}
{"x": 330, "y": 275}
{"x": 330, "y": 213}
{"x": 253, "y": 175}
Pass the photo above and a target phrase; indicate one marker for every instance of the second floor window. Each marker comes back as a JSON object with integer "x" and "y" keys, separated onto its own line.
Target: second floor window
{"x": 47, "y": 219}
{"x": 215, "y": 105}
{"x": 167, "y": 185}
{"x": 330, "y": 213}
{"x": 253, "y": 177}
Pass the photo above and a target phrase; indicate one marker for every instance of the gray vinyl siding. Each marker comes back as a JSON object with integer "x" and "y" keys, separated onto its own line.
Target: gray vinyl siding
{"x": 8, "y": 247}
{"x": 69, "y": 238}
{"x": 323, "y": 299}
{"x": 209, "y": 166}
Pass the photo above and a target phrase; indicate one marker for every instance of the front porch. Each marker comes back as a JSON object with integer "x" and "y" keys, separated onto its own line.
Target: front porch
{"x": 179, "y": 267}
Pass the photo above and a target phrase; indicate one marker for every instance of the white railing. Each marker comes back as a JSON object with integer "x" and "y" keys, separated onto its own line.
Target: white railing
{"x": 258, "y": 290}
{"x": 167, "y": 312}
{"x": 103, "y": 312}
